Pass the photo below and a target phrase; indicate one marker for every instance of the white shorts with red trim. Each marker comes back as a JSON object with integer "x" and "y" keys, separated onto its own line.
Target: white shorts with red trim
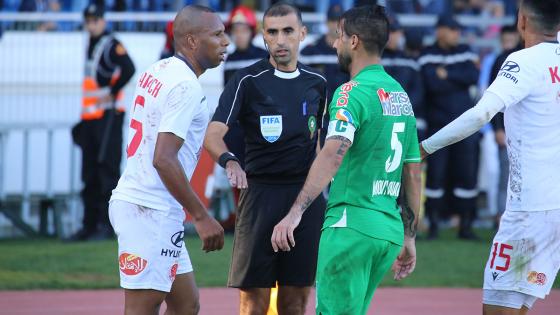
{"x": 151, "y": 247}
{"x": 525, "y": 253}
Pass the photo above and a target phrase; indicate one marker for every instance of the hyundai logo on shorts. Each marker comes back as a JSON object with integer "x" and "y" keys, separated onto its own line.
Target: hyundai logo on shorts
{"x": 177, "y": 239}
{"x": 511, "y": 66}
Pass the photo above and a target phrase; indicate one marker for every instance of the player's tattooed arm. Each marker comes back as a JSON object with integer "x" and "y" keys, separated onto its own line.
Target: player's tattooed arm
{"x": 412, "y": 182}
{"x": 409, "y": 220}
{"x": 322, "y": 171}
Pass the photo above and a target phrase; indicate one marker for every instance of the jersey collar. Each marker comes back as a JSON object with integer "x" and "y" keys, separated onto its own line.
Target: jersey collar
{"x": 286, "y": 75}
{"x": 183, "y": 59}
{"x": 374, "y": 67}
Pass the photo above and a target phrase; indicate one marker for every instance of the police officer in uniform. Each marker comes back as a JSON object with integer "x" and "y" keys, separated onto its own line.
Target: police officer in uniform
{"x": 406, "y": 71}
{"x": 278, "y": 103}
{"x": 448, "y": 70}
{"x": 99, "y": 133}
{"x": 321, "y": 55}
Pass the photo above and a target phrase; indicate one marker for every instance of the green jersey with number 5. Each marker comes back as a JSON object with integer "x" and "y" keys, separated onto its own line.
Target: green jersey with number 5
{"x": 373, "y": 111}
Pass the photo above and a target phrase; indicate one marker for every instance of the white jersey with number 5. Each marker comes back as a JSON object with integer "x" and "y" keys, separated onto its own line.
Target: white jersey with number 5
{"x": 168, "y": 98}
{"x": 529, "y": 85}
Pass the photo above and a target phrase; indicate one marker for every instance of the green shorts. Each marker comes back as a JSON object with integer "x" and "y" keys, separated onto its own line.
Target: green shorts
{"x": 351, "y": 265}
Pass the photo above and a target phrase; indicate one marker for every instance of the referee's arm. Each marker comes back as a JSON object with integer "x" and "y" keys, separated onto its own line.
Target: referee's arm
{"x": 226, "y": 113}
{"x": 322, "y": 171}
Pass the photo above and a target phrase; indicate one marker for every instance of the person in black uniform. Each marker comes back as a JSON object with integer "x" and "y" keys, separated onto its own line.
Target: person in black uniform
{"x": 278, "y": 103}
{"x": 511, "y": 42}
{"x": 321, "y": 55}
{"x": 99, "y": 133}
{"x": 448, "y": 70}
{"x": 406, "y": 71}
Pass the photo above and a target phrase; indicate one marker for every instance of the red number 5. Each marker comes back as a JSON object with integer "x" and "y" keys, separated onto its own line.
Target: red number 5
{"x": 507, "y": 257}
{"x": 136, "y": 125}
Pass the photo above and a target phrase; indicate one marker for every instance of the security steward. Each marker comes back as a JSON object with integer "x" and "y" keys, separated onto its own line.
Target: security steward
{"x": 108, "y": 68}
{"x": 449, "y": 69}
{"x": 278, "y": 103}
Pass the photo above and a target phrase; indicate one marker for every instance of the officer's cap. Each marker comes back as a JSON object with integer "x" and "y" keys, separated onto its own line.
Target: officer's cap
{"x": 448, "y": 21}
{"x": 394, "y": 24}
{"x": 334, "y": 13}
{"x": 94, "y": 10}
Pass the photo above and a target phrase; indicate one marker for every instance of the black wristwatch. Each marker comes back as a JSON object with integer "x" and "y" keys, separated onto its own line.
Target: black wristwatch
{"x": 225, "y": 157}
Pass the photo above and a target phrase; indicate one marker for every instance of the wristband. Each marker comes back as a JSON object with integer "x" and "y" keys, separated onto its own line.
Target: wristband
{"x": 225, "y": 157}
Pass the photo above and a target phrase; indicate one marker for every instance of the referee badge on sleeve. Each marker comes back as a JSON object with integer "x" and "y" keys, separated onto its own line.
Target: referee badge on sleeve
{"x": 271, "y": 127}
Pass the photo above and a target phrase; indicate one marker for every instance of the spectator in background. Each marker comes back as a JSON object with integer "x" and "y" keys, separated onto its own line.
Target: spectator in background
{"x": 510, "y": 41}
{"x": 242, "y": 28}
{"x": 321, "y": 55}
{"x": 448, "y": 71}
{"x": 40, "y": 6}
{"x": 406, "y": 71}
{"x": 99, "y": 134}
{"x": 169, "y": 47}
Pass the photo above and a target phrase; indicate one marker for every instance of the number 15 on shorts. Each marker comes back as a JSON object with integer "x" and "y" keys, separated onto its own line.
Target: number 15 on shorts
{"x": 501, "y": 251}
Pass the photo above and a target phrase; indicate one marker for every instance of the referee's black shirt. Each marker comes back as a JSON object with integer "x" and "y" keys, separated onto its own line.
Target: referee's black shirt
{"x": 262, "y": 99}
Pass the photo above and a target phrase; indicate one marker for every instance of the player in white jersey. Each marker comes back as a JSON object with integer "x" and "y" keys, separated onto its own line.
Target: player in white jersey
{"x": 525, "y": 254}
{"x": 168, "y": 121}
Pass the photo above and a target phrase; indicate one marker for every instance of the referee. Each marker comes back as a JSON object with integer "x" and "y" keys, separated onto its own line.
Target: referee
{"x": 278, "y": 103}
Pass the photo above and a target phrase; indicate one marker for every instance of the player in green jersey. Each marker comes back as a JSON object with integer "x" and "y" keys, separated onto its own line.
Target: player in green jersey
{"x": 371, "y": 148}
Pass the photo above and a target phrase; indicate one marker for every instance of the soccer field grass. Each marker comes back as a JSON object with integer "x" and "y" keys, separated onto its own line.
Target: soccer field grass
{"x": 51, "y": 264}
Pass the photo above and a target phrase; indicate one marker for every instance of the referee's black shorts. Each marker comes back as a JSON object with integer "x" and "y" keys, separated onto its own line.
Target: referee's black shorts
{"x": 254, "y": 263}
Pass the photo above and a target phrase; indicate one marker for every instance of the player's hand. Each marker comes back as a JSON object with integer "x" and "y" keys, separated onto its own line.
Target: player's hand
{"x": 423, "y": 153}
{"x": 236, "y": 175}
{"x": 210, "y": 232}
{"x": 283, "y": 233}
{"x": 406, "y": 261}
{"x": 500, "y": 138}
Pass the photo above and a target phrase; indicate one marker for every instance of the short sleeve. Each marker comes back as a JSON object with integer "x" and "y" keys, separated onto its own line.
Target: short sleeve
{"x": 516, "y": 79}
{"x": 345, "y": 112}
{"x": 413, "y": 151}
{"x": 183, "y": 102}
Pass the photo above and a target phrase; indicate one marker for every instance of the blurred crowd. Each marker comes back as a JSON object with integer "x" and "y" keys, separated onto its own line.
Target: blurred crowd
{"x": 472, "y": 7}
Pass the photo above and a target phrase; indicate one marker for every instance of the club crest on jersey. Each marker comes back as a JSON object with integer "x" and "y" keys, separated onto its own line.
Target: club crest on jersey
{"x": 344, "y": 115}
{"x": 271, "y": 127}
{"x": 395, "y": 103}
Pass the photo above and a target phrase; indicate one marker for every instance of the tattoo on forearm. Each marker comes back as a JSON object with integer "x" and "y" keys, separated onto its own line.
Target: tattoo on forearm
{"x": 304, "y": 201}
{"x": 343, "y": 146}
{"x": 409, "y": 220}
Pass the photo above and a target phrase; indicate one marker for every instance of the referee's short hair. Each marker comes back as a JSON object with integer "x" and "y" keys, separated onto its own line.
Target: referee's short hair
{"x": 545, "y": 14}
{"x": 370, "y": 24}
{"x": 283, "y": 8}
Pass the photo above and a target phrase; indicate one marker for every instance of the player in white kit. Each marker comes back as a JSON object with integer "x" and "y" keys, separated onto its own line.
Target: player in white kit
{"x": 525, "y": 254}
{"x": 168, "y": 122}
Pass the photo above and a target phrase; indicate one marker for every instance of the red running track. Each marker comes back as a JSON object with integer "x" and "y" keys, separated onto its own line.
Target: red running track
{"x": 387, "y": 301}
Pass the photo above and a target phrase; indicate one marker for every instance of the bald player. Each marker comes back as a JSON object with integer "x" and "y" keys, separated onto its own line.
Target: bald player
{"x": 168, "y": 121}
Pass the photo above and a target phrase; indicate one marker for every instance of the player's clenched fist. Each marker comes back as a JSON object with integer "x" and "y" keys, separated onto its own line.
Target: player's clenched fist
{"x": 210, "y": 232}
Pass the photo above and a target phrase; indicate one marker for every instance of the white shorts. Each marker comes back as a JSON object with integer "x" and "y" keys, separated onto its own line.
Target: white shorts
{"x": 525, "y": 253}
{"x": 151, "y": 247}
